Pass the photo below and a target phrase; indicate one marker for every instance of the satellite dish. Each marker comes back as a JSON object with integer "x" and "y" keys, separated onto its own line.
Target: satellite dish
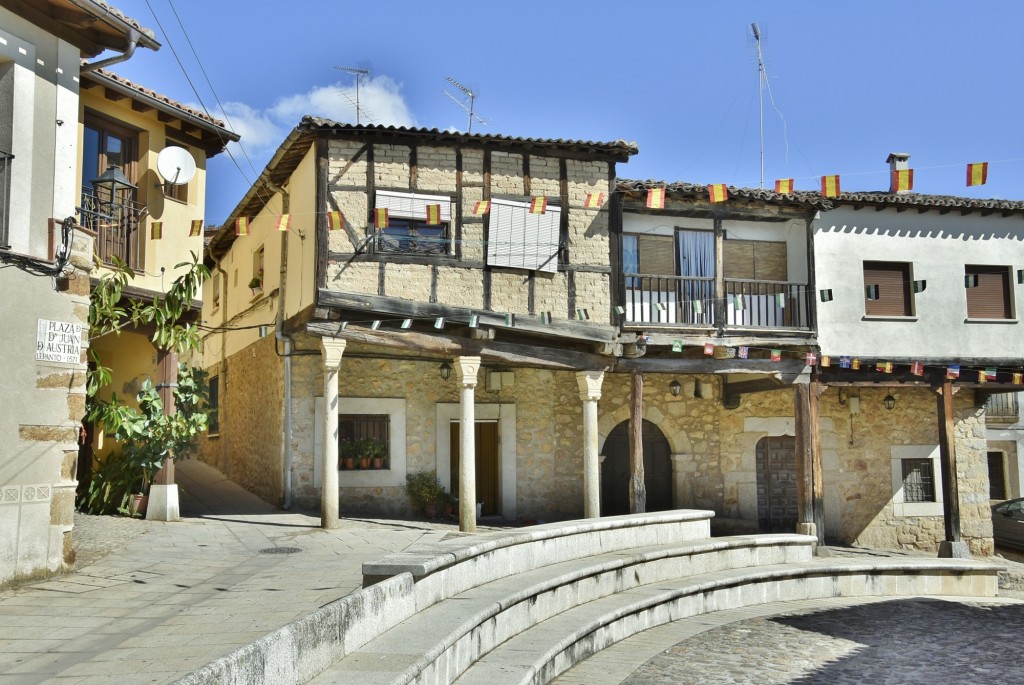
{"x": 175, "y": 165}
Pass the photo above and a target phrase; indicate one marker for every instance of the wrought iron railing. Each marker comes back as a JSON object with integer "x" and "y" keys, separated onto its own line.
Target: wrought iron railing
{"x": 5, "y": 197}
{"x": 1002, "y": 408}
{"x": 118, "y": 227}
{"x": 690, "y": 301}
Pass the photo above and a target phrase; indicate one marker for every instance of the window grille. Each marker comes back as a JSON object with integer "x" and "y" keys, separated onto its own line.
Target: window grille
{"x": 918, "y": 480}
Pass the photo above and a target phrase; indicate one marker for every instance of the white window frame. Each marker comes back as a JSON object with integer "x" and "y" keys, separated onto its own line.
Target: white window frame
{"x": 901, "y": 507}
{"x": 521, "y": 240}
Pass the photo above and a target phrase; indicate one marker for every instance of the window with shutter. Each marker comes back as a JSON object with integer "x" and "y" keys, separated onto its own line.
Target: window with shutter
{"x": 656, "y": 255}
{"x": 521, "y": 240}
{"x": 761, "y": 260}
{"x": 988, "y": 292}
{"x": 890, "y": 281}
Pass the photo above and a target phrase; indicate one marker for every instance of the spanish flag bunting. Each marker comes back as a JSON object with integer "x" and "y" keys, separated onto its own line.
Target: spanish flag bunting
{"x": 826, "y": 361}
{"x": 242, "y": 225}
{"x": 433, "y": 215}
{"x": 380, "y": 217}
{"x": 284, "y": 222}
{"x": 481, "y": 207}
{"x": 156, "y": 230}
{"x": 197, "y": 228}
{"x": 990, "y": 373}
{"x": 917, "y": 368}
{"x": 718, "y": 192}
{"x": 656, "y": 198}
{"x": 709, "y": 349}
{"x": 743, "y": 352}
{"x": 883, "y": 367}
{"x": 811, "y": 359}
{"x": 1017, "y": 378}
{"x": 977, "y": 173}
{"x": 539, "y": 205}
{"x": 982, "y": 377}
{"x": 784, "y": 185}
{"x": 776, "y": 355}
{"x": 594, "y": 200}
{"x": 830, "y": 186}
{"x": 953, "y": 372}
{"x": 855, "y": 364}
{"x": 902, "y": 180}
{"x": 335, "y": 221}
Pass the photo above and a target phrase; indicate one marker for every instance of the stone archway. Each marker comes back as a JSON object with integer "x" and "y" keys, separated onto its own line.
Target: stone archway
{"x": 615, "y": 470}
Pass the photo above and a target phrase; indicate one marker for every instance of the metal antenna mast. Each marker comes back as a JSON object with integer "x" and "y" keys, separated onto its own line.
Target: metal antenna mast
{"x": 472, "y": 100}
{"x": 359, "y": 74}
{"x": 760, "y": 91}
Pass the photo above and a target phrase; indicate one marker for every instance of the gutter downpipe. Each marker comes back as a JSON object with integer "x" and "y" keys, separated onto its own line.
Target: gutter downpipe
{"x": 133, "y": 42}
{"x": 279, "y": 335}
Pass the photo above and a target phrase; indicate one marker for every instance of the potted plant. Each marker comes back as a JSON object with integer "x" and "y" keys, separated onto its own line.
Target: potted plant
{"x": 256, "y": 285}
{"x": 424, "y": 491}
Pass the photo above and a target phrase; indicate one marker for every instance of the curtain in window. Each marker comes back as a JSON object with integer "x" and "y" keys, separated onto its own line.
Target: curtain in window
{"x": 630, "y": 257}
{"x": 697, "y": 259}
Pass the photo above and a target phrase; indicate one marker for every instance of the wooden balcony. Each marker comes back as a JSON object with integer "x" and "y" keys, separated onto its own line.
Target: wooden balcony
{"x": 1002, "y": 409}
{"x": 118, "y": 228}
{"x": 690, "y": 302}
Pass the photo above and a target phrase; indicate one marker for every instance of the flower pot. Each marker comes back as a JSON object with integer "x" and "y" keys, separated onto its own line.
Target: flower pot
{"x": 364, "y": 463}
{"x": 138, "y": 504}
{"x": 430, "y": 510}
{"x": 378, "y": 462}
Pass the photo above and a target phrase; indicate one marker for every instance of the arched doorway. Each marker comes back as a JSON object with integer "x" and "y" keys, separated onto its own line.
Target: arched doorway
{"x": 615, "y": 470}
{"x": 776, "y": 484}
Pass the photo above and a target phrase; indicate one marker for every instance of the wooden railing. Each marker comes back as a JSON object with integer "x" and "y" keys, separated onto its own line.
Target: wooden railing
{"x": 1002, "y": 408}
{"x": 118, "y": 228}
{"x": 686, "y": 301}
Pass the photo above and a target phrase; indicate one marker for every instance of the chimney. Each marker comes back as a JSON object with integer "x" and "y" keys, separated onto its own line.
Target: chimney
{"x": 897, "y": 161}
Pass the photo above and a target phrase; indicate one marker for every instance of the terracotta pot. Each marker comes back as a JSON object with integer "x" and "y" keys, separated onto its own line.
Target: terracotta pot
{"x": 364, "y": 463}
{"x": 430, "y": 510}
{"x": 349, "y": 463}
{"x": 137, "y": 507}
{"x": 378, "y": 462}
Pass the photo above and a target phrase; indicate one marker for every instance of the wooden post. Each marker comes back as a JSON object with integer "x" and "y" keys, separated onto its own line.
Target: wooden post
{"x": 637, "y": 487}
{"x": 947, "y": 463}
{"x": 810, "y": 504}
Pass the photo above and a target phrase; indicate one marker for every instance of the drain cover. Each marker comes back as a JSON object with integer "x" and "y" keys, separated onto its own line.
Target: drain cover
{"x": 280, "y": 550}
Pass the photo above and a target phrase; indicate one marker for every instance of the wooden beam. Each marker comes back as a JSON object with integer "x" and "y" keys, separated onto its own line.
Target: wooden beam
{"x": 165, "y": 117}
{"x": 947, "y": 463}
{"x": 787, "y": 369}
{"x": 139, "y": 106}
{"x": 637, "y": 487}
{"x": 732, "y": 392}
{"x": 532, "y": 356}
{"x": 810, "y": 505}
{"x": 114, "y": 95}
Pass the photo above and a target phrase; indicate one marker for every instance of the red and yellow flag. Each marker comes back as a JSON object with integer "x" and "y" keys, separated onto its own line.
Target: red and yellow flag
{"x": 335, "y": 222}
{"x": 982, "y": 377}
{"x": 1017, "y": 378}
{"x": 826, "y": 361}
{"x": 884, "y": 367}
{"x": 718, "y": 192}
{"x": 433, "y": 215}
{"x": 156, "y": 230}
{"x": 917, "y": 368}
{"x": 197, "y": 228}
{"x": 656, "y": 198}
{"x": 481, "y": 207}
{"x": 242, "y": 225}
{"x": 902, "y": 180}
{"x": 284, "y": 222}
{"x": 977, "y": 173}
{"x": 380, "y": 217}
{"x": 539, "y": 205}
{"x": 830, "y": 186}
{"x": 855, "y": 364}
{"x": 594, "y": 200}
{"x": 783, "y": 185}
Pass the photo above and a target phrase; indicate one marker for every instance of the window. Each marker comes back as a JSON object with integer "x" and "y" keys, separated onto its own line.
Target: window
{"x": 176, "y": 191}
{"x": 215, "y": 294}
{"x": 407, "y": 230}
{"x": 364, "y": 441}
{"x": 521, "y": 240}
{"x": 257, "y": 282}
{"x": 213, "y": 407}
{"x": 105, "y": 144}
{"x": 918, "y": 481}
{"x": 988, "y": 292}
{"x": 887, "y": 290}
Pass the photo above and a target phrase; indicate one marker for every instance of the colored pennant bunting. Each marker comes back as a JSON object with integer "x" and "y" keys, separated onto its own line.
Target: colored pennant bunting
{"x": 883, "y": 367}
{"x": 594, "y": 200}
{"x": 510, "y": 320}
{"x": 917, "y": 368}
{"x": 433, "y": 215}
{"x": 902, "y": 180}
{"x": 698, "y": 307}
{"x": 242, "y": 225}
{"x": 539, "y": 205}
{"x": 375, "y": 325}
{"x": 844, "y": 362}
{"x": 971, "y": 281}
{"x": 743, "y": 352}
{"x": 776, "y": 355}
{"x": 656, "y": 198}
{"x": 737, "y": 303}
{"x": 620, "y": 310}
{"x": 335, "y": 221}
{"x": 811, "y": 359}
{"x": 583, "y": 314}
{"x": 1020, "y": 276}
{"x": 871, "y": 292}
{"x": 990, "y": 373}
{"x": 919, "y": 286}
{"x": 197, "y": 228}
{"x": 439, "y": 322}
{"x": 380, "y": 217}
{"x": 156, "y": 230}
{"x": 474, "y": 320}
{"x": 545, "y": 317}
{"x": 407, "y": 324}
{"x": 982, "y": 377}
{"x": 780, "y": 300}
{"x": 830, "y": 186}
{"x": 677, "y": 345}
{"x": 826, "y": 294}
{"x": 481, "y": 207}
{"x": 718, "y": 192}
{"x": 953, "y": 372}
{"x": 1017, "y": 378}
{"x": 284, "y": 222}
{"x": 826, "y": 361}
{"x": 709, "y": 349}
{"x": 855, "y": 364}
{"x": 977, "y": 174}
{"x": 784, "y": 185}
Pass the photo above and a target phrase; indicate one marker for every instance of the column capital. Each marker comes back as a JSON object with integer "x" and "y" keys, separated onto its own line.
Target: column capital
{"x": 466, "y": 369}
{"x": 590, "y": 384}
{"x": 333, "y": 349}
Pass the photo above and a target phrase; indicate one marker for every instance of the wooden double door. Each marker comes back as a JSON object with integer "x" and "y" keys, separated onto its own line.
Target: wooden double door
{"x": 615, "y": 471}
{"x": 488, "y": 473}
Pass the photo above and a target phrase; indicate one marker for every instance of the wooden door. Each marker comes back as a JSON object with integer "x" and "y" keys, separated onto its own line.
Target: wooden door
{"x": 615, "y": 471}
{"x": 776, "y": 485}
{"x": 996, "y": 476}
{"x": 488, "y": 488}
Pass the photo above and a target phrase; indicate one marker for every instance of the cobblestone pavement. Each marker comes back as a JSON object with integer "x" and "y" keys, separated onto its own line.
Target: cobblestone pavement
{"x": 96, "y": 537}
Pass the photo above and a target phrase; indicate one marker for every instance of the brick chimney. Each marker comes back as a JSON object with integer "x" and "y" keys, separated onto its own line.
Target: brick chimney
{"x": 897, "y": 161}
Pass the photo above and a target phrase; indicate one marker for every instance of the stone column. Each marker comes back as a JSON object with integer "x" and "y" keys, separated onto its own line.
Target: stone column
{"x": 466, "y": 369}
{"x": 333, "y": 349}
{"x": 590, "y": 393}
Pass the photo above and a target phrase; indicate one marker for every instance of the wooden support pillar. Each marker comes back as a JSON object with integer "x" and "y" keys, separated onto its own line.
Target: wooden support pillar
{"x": 466, "y": 369}
{"x": 333, "y": 349}
{"x": 810, "y": 484}
{"x": 590, "y": 392}
{"x": 637, "y": 487}
{"x": 947, "y": 463}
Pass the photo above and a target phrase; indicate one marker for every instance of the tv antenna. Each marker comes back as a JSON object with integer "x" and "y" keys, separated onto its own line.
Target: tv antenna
{"x": 470, "y": 98}
{"x": 359, "y": 74}
{"x": 763, "y": 85}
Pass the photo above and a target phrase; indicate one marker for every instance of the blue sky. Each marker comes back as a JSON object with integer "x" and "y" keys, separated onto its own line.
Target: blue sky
{"x": 853, "y": 81}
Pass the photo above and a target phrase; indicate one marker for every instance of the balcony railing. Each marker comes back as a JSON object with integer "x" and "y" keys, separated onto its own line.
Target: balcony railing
{"x": 1002, "y": 408}
{"x": 686, "y": 301}
{"x": 5, "y": 196}
{"x": 118, "y": 228}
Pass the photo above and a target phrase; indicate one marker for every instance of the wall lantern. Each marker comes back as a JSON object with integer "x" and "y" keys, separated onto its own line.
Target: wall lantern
{"x": 675, "y": 388}
{"x": 113, "y": 187}
{"x": 889, "y": 402}
{"x": 446, "y": 370}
